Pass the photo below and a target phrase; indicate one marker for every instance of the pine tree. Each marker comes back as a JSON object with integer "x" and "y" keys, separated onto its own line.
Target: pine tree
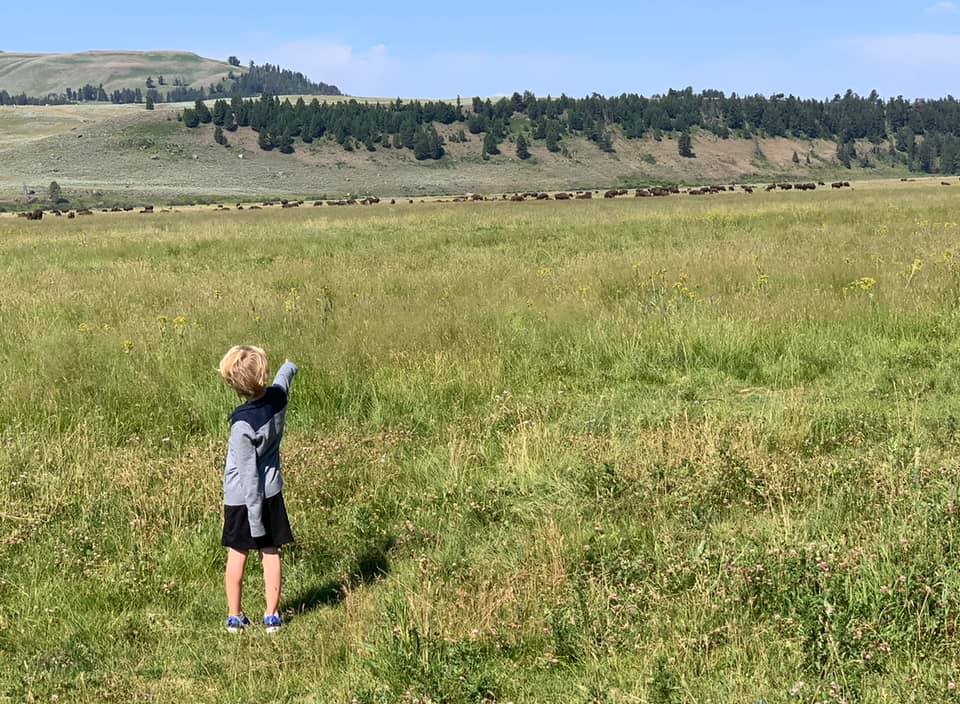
{"x": 408, "y": 133}
{"x": 476, "y": 124}
{"x": 553, "y": 138}
{"x": 284, "y": 143}
{"x": 203, "y": 114}
{"x": 218, "y": 136}
{"x": 796, "y": 158}
{"x": 149, "y": 103}
{"x": 490, "y": 145}
{"x": 685, "y": 145}
{"x": 421, "y": 145}
{"x": 264, "y": 141}
{"x": 190, "y": 118}
{"x": 220, "y": 112}
{"x": 926, "y": 156}
{"x": 540, "y": 129}
{"x": 436, "y": 144}
{"x": 846, "y": 153}
{"x": 522, "y": 151}
{"x": 950, "y": 157}
{"x": 54, "y": 193}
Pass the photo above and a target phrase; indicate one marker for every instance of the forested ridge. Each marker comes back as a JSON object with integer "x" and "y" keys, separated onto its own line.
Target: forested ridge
{"x": 924, "y": 134}
{"x": 255, "y": 80}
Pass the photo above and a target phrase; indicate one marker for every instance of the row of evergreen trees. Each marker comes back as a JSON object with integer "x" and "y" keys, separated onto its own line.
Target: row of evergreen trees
{"x": 409, "y": 125}
{"x": 844, "y": 118}
{"x": 256, "y": 80}
{"x": 24, "y": 99}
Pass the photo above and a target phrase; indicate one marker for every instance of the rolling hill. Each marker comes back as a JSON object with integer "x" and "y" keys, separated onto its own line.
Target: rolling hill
{"x": 103, "y": 153}
{"x": 41, "y": 74}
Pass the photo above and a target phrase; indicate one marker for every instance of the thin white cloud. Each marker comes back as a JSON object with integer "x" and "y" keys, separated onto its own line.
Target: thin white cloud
{"x": 943, "y": 8}
{"x": 355, "y": 71}
{"x": 900, "y": 50}
{"x": 888, "y": 63}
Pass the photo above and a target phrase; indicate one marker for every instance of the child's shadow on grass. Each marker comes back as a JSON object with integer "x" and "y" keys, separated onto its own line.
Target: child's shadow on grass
{"x": 370, "y": 567}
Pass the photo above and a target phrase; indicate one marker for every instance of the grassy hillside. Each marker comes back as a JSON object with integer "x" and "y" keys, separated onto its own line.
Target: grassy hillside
{"x": 635, "y": 451}
{"x": 127, "y": 153}
{"x": 40, "y": 74}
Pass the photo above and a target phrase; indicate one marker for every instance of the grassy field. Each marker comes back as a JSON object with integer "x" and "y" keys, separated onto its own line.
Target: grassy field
{"x": 634, "y": 451}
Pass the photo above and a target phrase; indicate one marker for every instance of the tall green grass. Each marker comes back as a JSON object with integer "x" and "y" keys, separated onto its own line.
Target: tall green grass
{"x": 619, "y": 451}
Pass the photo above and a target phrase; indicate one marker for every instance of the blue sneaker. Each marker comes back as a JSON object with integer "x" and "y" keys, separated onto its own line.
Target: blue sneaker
{"x": 272, "y": 623}
{"x": 236, "y": 624}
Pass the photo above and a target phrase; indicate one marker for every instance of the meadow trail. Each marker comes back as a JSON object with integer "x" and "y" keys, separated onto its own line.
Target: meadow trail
{"x": 644, "y": 450}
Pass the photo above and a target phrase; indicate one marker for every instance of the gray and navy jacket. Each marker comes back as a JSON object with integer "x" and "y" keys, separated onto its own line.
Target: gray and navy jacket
{"x": 252, "y": 472}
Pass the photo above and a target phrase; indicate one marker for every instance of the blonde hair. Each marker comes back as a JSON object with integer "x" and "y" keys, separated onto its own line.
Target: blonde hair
{"x": 245, "y": 370}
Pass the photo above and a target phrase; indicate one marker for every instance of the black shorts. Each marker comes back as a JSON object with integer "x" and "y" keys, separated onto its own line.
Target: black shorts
{"x": 236, "y": 526}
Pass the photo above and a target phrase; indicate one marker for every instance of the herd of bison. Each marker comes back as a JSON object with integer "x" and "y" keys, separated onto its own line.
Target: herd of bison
{"x": 652, "y": 192}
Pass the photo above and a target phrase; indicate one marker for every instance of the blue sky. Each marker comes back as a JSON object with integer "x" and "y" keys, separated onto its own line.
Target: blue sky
{"x": 812, "y": 48}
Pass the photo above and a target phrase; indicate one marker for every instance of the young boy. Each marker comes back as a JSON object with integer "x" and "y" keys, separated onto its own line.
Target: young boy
{"x": 254, "y": 517}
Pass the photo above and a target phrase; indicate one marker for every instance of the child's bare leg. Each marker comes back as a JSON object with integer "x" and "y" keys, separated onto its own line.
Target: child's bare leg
{"x": 233, "y": 580}
{"x": 270, "y": 557}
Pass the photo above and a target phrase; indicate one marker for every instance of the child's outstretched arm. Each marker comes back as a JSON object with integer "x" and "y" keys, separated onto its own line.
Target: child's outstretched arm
{"x": 244, "y": 453}
{"x": 285, "y": 376}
